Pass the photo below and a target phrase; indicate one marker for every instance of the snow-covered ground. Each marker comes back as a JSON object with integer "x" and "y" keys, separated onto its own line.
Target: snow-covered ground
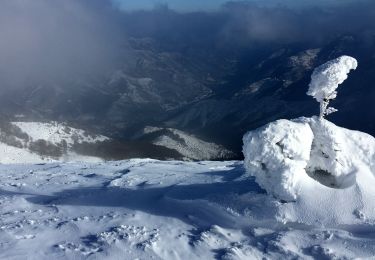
{"x": 14, "y": 155}
{"x": 148, "y": 209}
{"x": 10, "y": 154}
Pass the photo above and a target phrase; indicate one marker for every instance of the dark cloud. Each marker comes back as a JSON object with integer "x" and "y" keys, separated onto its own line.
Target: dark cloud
{"x": 250, "y": 23}
{"x": 50, "y": 40}
{"x": 247, "y": 23}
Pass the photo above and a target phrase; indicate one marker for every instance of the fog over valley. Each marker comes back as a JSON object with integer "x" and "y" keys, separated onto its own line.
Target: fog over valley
{"x": 211, "y": 70}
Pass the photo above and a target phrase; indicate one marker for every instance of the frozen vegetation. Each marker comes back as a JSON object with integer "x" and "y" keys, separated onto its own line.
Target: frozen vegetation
{"x": 323, "y": 173}
{"x": 326, "y": 79}
{"x": 304, "y": 191}
{"x": 326, "y": 172}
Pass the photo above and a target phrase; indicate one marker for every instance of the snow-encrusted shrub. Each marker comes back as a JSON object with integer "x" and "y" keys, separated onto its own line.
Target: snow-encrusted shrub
{"x": 331, "y": 158}
{"x": 326, "y": 78}
{"x": 277, "y": 155}
{"x": 288, "y": 157}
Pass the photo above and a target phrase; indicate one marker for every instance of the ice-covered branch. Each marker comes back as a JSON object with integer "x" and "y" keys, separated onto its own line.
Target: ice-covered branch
{"x": 326, "y": 78}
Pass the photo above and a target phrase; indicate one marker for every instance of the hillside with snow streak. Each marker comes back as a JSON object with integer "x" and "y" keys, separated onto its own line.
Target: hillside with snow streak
{"x": 37, "y": 142}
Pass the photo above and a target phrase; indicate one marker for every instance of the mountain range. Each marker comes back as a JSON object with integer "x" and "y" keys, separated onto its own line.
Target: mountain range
{"x": 185, "y": 83}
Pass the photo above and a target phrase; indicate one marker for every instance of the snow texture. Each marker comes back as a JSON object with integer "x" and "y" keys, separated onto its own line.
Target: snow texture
{"x": 148, "y": 209}
{"x": 277, "y": 155}
{"x": 327, "y": 171}
{"x": 327, "y": 77}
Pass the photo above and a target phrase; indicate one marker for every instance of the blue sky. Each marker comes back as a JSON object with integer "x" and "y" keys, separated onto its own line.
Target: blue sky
{"x": 174, "y": 4}
{"x": 188, "y": 5}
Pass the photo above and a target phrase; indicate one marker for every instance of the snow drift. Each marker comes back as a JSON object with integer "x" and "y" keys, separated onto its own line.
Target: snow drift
{"x": 328, "y": 172}
{"x": 277, "y": 155}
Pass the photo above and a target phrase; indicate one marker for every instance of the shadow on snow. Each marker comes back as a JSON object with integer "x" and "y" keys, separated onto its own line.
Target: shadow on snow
{"x": 193, "y": 203}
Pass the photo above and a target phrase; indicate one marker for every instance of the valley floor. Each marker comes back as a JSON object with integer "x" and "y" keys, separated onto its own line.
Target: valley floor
{"x": 148, "y": 209}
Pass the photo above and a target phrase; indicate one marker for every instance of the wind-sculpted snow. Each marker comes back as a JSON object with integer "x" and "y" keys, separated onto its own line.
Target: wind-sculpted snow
{"x": 148, "y": 209}
{"x": 277, "y": 155}
{"x": 325, "y": 172}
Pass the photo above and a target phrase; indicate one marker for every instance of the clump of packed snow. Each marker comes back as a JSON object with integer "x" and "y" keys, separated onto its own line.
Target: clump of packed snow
{"x": 327, "y": 171}
{"x": 326, "y": 78}
{"x": 277, "y": 154}
{"x": 339, "y": 152}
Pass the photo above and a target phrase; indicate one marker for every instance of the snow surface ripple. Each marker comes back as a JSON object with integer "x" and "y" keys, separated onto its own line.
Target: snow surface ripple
{"x": 148, "y": 209}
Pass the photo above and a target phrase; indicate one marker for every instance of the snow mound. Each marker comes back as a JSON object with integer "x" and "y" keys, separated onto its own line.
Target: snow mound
{"x": 275, "y": 151}
{"x": 327, "y": 77}
{"x": 327, "y": 171}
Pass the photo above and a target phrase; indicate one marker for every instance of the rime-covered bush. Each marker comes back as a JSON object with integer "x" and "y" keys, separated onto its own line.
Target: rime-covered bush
{"x": 277, "y": 155}
{"x": 326, "y": 78}
{"x": 322, "y": 173}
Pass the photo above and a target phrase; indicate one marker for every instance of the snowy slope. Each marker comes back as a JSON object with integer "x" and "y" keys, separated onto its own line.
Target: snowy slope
{"x": 28, "y": 149}
{"x": 147, "y": 209}
{"x": 189, "y": 146}
{"x": 60, "y": 142}
{"x": 55, "y": 132}
{"x": 10, "y": 154}
{"x": 13, "y": 155}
